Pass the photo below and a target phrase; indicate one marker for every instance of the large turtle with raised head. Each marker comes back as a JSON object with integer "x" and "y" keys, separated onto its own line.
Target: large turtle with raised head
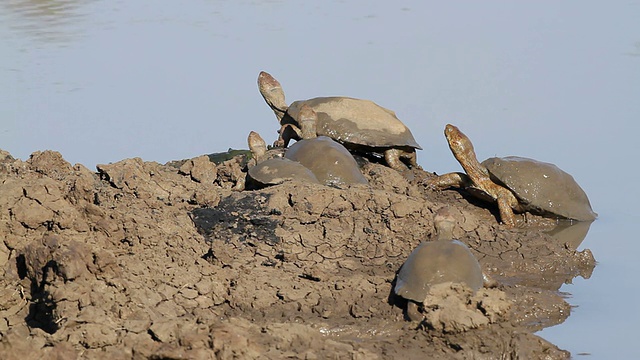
{"x": 515, "y": 183}
{"x": 360, "y": 125}
{"x": 435, "y": 262}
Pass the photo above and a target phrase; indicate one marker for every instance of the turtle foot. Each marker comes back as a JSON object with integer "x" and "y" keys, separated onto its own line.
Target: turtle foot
{"x": 413, "y": 311}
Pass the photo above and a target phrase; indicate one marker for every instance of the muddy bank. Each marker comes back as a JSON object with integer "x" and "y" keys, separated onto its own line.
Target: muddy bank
{"x": 143, "y": 260}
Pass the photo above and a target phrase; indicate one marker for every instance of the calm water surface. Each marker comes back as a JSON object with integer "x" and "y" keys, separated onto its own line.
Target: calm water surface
{"x": 101, "y": 81}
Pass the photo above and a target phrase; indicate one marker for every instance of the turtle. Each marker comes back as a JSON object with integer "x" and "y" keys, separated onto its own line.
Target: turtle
{"x": 435, "y": 262}
{"x": 515, "y": 183}
{"x": 328, "y": 160}
{"x": 360, "y": 125}
{"x": 270, "y": 168}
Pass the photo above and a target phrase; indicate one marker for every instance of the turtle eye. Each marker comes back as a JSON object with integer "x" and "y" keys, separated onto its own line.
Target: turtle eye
{"x": 455, "y": 142}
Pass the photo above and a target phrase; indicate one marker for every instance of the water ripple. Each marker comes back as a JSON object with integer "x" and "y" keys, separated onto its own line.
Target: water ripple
{"x": 47, "y": 21}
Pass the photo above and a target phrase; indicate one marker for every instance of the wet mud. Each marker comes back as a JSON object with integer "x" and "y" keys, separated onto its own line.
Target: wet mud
{"x": 141, "y": 260}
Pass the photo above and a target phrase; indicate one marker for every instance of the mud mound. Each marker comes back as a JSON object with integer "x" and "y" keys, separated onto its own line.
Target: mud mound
{"x": 143, "y": 260}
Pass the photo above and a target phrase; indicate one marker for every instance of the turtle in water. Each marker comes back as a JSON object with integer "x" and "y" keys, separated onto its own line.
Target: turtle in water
{"x": 360, "y": 125}
{"x": 268, "y": 167}
{"x": 435, "y": 262}
{"x": 515, "y": 183}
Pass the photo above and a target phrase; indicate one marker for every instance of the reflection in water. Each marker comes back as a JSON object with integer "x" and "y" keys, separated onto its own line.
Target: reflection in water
{"x": 45, "y": 20}
{"x": 570, "y": 233}
{"x": 565, "y": 233}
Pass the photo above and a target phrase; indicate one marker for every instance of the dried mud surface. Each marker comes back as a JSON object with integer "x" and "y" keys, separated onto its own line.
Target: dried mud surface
{"x": 141, "y": 260}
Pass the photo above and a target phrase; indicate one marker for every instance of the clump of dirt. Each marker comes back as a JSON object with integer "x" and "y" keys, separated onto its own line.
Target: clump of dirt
{"x": 143, "y": 260}
{"x": 454, "y": 308}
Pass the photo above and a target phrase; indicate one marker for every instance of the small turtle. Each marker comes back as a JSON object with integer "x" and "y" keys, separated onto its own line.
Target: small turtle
{"x": 332, "y": 163}
{"x": 515, "y": 183}
{"x": 271, "y": 169}
{"x": 360, "y": 125}
{"x": 436, "y": 262}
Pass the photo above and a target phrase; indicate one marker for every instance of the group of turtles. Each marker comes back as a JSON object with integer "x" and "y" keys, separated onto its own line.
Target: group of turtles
{"x": 328, "y": 130}
{"x": 363, "y": 127}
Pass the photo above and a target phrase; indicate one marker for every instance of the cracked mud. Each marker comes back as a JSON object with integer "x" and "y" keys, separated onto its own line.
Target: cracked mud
{"x": 142, "y": 260}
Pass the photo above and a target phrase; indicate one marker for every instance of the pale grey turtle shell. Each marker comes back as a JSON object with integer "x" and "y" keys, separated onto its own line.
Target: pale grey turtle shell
{"x": 329, "y": 161}
{"x": 437, "y": 262}
{"x": 356, "y": 122}
{"x": 278, "y": 170}
{"x": 541, "y": 187}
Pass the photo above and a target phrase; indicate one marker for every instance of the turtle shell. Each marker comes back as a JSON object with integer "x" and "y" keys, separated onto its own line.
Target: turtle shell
{"x": 356, "y": 122}
{"x": 541, "y": 187}
{"x": 436, "y": 262}
{"x": 278, "y": 170}
{"x": 329, "y": 161}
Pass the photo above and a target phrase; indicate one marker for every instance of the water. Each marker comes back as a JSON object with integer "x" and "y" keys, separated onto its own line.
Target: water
{"x": 101, "y": 81}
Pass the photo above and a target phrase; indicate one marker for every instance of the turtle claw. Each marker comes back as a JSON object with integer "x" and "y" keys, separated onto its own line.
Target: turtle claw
{"x": 412, "y": 312}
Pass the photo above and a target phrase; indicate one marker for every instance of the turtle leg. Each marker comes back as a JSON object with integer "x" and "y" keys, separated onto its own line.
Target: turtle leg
{"x": 454, "y": 179}
{"x": 279, "y": 143}
{"x": 287, "y": 132}
{"x": 239, "y": 176}
{"x": 413, "y": 312}
{"x": 392, "y": 157}
{"x": 308, "y": 120}
{"x": 506, "y": 202}
{"x": 240, "y": 184}
{"x": 411, "y": 156}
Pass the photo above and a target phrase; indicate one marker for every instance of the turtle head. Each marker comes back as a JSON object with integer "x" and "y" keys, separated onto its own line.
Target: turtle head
{"x": 444, "y": 221}
{"x": 272, "y": 92}
{"x": 307, "y": 118}
{"x": 462, "y": 149}
{"x": 257, "y": 145}
{"x": 459, "y": 143}
{"x": 457, "y": 140}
